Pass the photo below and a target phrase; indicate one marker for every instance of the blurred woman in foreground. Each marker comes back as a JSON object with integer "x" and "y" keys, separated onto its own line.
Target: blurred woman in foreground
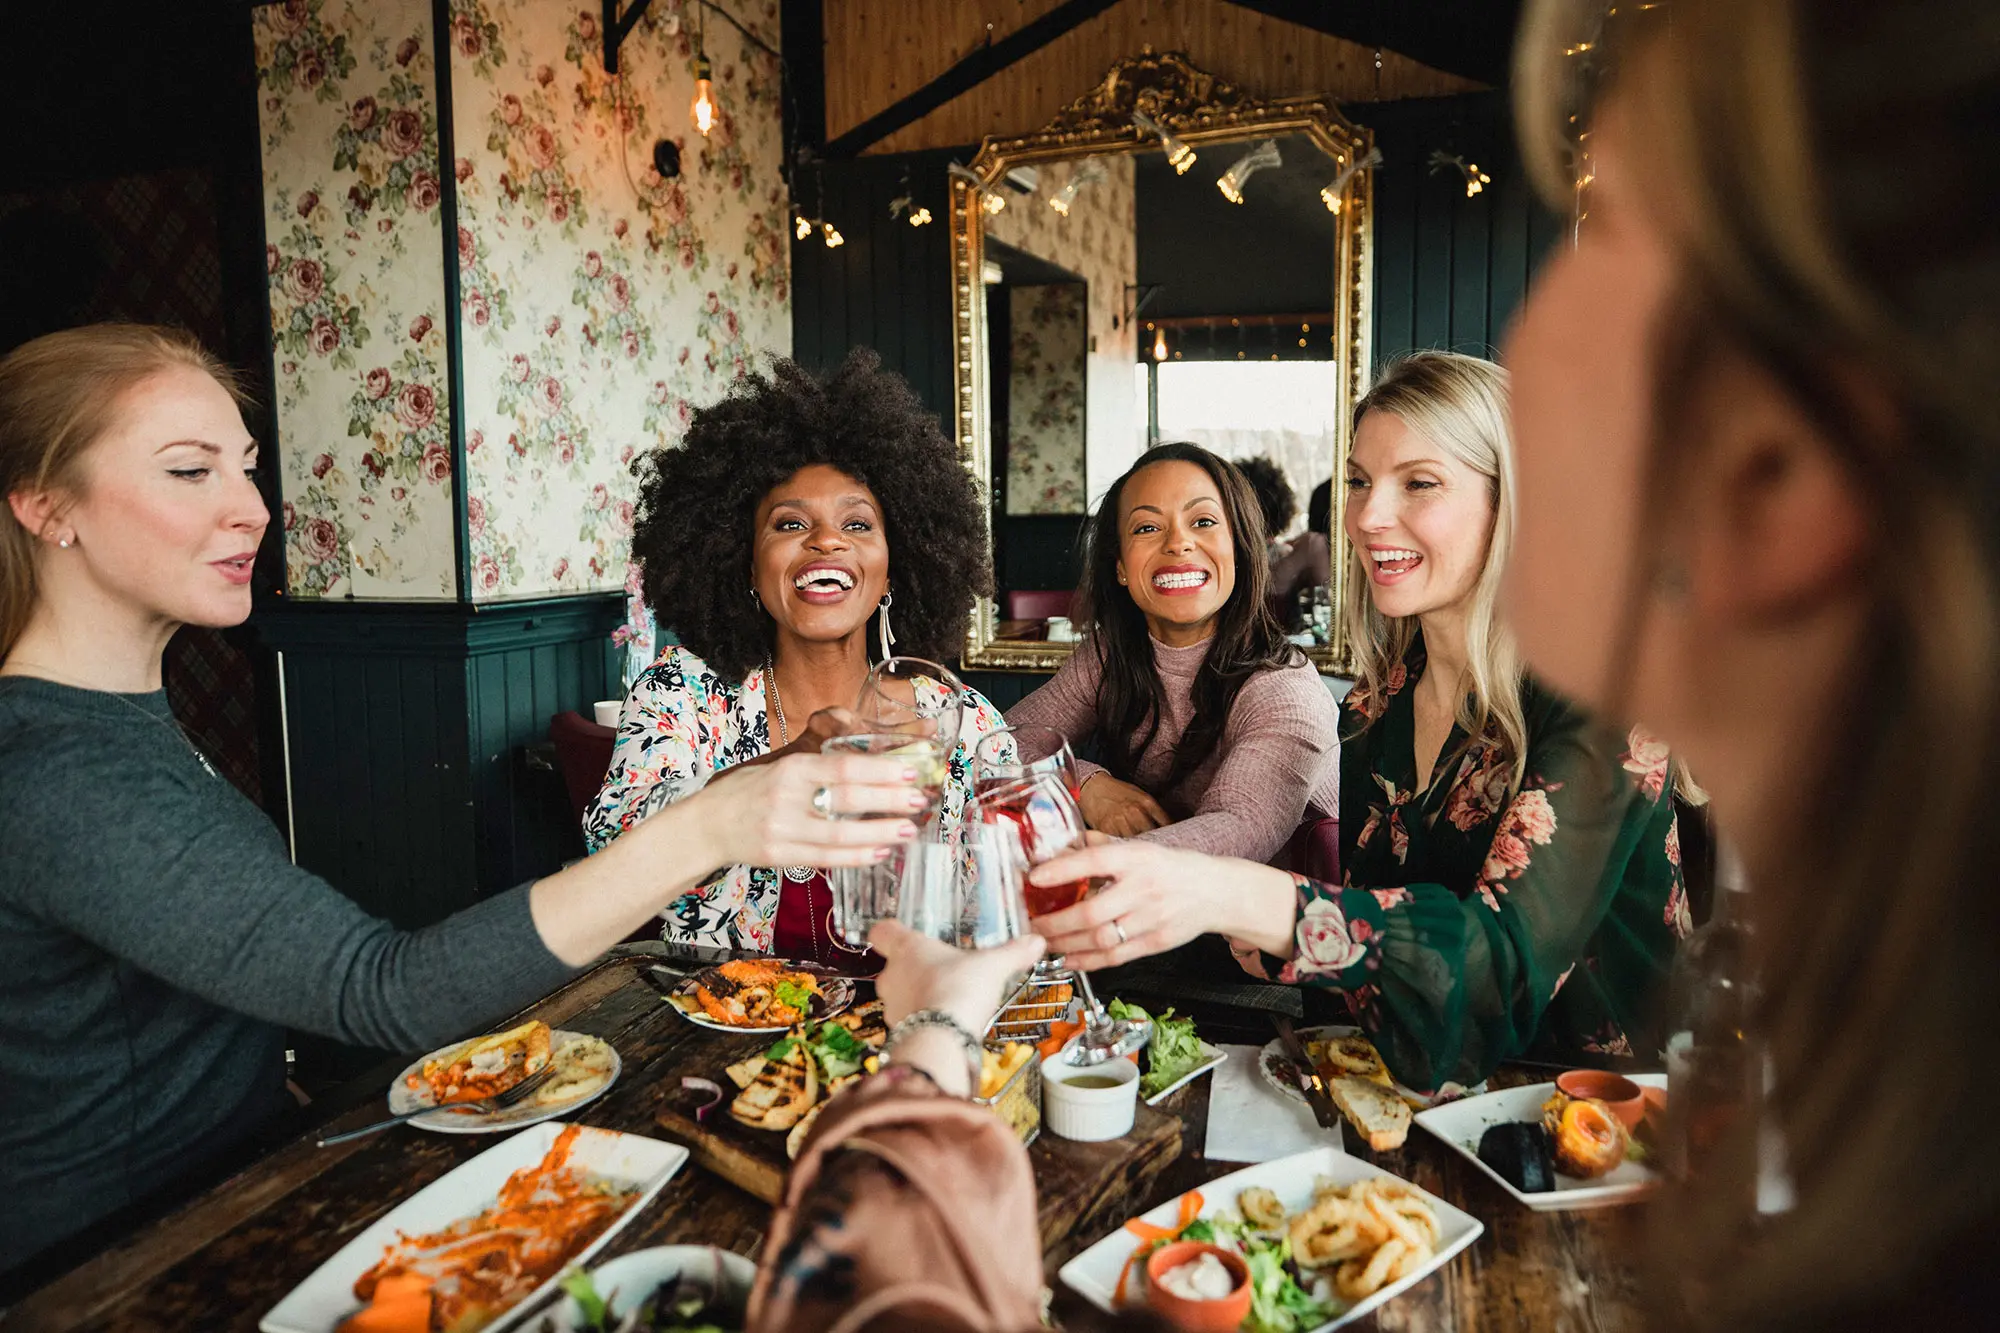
{"x": 1760, "y": 507}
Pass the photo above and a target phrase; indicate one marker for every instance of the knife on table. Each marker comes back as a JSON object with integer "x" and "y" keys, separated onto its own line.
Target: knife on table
{"x": 1307, "y": 1076}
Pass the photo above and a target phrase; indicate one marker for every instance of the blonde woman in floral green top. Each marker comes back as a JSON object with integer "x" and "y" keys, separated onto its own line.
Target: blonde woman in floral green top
{"x": 1510, "y": 869}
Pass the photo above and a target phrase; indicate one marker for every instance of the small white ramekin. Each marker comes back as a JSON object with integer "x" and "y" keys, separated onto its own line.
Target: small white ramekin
{"x": 1089, "y": 1115}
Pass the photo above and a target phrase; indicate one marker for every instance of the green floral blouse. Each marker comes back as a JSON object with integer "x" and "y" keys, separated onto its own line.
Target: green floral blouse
{"x": 1470, "y": 928}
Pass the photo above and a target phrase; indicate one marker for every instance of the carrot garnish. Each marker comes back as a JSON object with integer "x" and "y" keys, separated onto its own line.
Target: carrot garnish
{"x": 1152, "y": 1236}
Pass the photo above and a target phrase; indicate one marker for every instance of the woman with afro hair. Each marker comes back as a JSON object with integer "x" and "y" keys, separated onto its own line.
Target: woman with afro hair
{"x": 798, "y": 513}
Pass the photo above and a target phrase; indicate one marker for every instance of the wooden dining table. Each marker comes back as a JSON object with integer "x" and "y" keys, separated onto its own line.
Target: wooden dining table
{"x": 223, "y": 1259}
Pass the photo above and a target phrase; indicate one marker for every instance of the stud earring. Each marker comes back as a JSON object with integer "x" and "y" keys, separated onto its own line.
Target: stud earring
{"x": 64, "y": 543}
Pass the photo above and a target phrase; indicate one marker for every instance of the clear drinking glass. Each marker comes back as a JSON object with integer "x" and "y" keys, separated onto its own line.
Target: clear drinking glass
{"x": 1049, "y": 822}
{"x": 992, "y": 870}
{"x": 911, "y": 696}
{"x": 926, "y": 754}
{"x": 863, "y": 895}
{"x": 1013, "y": 753}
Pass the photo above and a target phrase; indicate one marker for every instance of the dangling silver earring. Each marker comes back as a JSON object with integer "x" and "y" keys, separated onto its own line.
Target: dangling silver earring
{"x": 755, "y": 598}
{"x": 888, "y": 636}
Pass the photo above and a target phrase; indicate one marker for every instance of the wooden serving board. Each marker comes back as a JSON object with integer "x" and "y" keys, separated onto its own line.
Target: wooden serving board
{"x": 1078, "y": 1184}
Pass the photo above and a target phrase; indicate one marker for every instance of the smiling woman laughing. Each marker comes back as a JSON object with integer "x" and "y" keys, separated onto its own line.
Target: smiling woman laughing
{"x": 776, "y": 541}
{"x": 1212, "y": 732}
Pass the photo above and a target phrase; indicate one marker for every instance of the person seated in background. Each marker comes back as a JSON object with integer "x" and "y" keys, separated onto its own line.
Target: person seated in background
{"x": 1511, "y": 873}
{"x": 1275, "y": 500}
{"x": 775, "y": 541}
{"x": 1212, "y": 731}
{"x": 1307, "y": 560}
{"x": 155, "y": 937}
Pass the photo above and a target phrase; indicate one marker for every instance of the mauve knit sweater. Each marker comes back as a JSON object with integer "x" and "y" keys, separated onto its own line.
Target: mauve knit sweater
{"x": 1279, "y": 755}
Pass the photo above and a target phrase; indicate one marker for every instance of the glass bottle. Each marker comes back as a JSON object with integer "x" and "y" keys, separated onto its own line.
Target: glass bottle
{"x": 1716, "y": 1067}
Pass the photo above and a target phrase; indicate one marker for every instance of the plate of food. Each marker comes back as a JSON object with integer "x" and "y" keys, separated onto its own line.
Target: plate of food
{"x": 1554, "y": 1152}
{"x": 583, "y": 1068}
{"x": 477, "y": 1247}
{"x": 1175, "y": 1057}
{"x": 760, "y": 995}
{"x": 1325, "y": 1239}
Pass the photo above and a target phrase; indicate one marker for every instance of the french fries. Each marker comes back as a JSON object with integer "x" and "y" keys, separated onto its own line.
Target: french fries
{"x": 996, "y": 1067}
{"x": 1377, "y": 1231}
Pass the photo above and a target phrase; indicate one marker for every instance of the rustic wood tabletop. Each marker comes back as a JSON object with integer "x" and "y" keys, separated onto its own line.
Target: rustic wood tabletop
{"x": 225, "y": 1258}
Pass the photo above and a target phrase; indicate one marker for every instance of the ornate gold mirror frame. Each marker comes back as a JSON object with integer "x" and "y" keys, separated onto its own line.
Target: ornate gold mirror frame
{"x": 1200, "y": 109}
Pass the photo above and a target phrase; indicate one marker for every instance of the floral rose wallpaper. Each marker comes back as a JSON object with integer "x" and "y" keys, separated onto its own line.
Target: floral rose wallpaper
{"x": 597, "y": 302}
{"x": 1098, "y": 242}
{"x": 1048, "y": 335}
{"x": 352, "y": 198}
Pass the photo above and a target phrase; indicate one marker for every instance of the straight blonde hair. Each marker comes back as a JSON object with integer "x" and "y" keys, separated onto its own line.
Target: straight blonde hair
{"x": 1828, "y": 168}
{"x": 58, "y": 394}
{"x": 1459, "y": 404}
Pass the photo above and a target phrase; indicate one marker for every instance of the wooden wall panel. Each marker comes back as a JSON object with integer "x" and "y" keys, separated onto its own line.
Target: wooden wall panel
{"x": 880, "y": 51}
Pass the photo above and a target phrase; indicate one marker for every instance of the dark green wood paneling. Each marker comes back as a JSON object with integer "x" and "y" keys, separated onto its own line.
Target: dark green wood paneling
{"x": 409, "y": 725}
{"x": 1450, "y": 270}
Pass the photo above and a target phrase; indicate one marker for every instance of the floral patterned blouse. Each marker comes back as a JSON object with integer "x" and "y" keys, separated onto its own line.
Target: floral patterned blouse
{"x": 1470, "y": 928}
{"x": 682, "y": 724}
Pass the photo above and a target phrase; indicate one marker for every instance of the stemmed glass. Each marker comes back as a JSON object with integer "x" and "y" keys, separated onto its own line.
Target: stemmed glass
{"x": 1049, "y": 822}
{"x": 921, "y": 701}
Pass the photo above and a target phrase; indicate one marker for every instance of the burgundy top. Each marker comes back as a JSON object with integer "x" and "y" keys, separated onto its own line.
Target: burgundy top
{"x": 1279, "y": 755}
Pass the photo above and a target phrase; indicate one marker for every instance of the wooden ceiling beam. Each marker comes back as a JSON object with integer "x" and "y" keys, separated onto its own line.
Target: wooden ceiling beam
{"x": 981, "y": 65}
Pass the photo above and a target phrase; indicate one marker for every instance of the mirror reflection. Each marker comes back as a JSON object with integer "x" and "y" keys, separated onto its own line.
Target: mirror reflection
{"x": 1127, "y": 304}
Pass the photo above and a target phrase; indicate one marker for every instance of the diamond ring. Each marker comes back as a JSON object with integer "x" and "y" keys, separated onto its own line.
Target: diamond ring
{"x": 822, "y": 803}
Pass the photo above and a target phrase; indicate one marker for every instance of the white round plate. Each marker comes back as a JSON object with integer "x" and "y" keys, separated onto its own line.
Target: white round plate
{"x": 836, "y": 993}
{"x": 623, "y": 1283}
{"x": 1272, "y": 1061}
{"x": 403, "y": 1098}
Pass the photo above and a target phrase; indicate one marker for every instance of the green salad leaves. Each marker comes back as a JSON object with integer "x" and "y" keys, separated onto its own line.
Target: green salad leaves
{"x": 1174, "y": 1051}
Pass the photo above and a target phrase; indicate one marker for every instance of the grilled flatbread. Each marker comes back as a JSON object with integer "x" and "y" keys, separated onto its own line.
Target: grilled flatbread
{"x": 865, "y": 1021}
{"x": 581, "y": 1068}
{"x": 488, "y": 1065}
{"x": 783, "y": 1091}
{"x": 744, "y": 1072}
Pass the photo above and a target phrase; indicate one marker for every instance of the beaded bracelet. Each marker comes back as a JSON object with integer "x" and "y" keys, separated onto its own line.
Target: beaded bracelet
{"x": 938, "y": 1018}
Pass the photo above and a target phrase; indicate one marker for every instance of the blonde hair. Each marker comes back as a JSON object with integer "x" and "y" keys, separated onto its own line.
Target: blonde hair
{"x": 58, "y": 394}
{"x": 1830, "y": 173}
{"x": 1459, "y": 404}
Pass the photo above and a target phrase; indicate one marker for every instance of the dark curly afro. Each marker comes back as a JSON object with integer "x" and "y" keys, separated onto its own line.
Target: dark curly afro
{"x": 1274, "y": 493}
{"x": 697, "y": 504}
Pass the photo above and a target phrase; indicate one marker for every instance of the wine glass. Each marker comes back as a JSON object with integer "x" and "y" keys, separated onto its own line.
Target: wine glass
{"x": 1049, "y": 823}
{"x": 1013, "y": 753}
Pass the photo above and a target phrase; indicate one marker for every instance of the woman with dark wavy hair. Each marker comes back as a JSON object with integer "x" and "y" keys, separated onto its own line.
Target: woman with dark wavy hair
{"x": 1213, "y": 731}
{"x": 803, "y": 521}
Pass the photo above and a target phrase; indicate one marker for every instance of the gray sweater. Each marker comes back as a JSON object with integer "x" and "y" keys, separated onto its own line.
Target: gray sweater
{"x": 154, "y": 939}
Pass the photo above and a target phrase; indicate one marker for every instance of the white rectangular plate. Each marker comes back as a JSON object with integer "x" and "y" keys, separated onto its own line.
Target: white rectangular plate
{"x": 318, "y": 1304}
{"x": 1093, "y": 1274}
{"x": 1211, "y": 1056}
{"x": 1461, "y": 1123}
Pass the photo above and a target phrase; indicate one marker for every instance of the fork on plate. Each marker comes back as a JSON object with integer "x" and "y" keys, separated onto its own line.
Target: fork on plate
{"x": 499, "y": 1101}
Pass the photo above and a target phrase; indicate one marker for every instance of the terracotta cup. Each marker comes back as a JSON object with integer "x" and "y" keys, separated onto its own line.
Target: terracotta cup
{"x": 1217, "y": 1316}
{"x": 1620, "y": 1095}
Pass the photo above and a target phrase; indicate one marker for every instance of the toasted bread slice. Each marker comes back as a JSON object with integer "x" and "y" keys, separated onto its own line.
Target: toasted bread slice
{"x": 1376, "y": 1112}
{"x": 784, "y": 1090}
{"x": 796, "y": 1140}
{"x": 1354, "y": 1055}
{"x": 744, "y": 1072}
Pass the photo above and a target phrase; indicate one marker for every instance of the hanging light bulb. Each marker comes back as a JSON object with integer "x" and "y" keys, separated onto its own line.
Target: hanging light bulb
{"x": 834, "y": 240}
{"x": 1475, "y": 179}
{"x": 1179, "y": 156}
{"x": 802, "y": 226}
{"x": 989, "y": 196}
{"x": 1334, "y": 196}
{"x": 1159, "y": 343}
{"x": 902, "y": 204}
{"x": 703, "y": 108}
{"x": 1263, "y": 155}
{"x": 1088, "y": 174}
{"x": 919, "y": 216}
{"x": 993, "y": 202}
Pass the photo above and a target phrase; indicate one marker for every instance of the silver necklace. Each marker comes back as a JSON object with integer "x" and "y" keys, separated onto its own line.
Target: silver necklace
{"x": 174, "y": 726}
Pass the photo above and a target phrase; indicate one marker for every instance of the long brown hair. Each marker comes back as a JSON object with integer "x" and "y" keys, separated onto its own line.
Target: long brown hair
{"x": 58, "y": 394}
{"x": 1248, "y": 638}
{"x": 1834, "y": 164}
